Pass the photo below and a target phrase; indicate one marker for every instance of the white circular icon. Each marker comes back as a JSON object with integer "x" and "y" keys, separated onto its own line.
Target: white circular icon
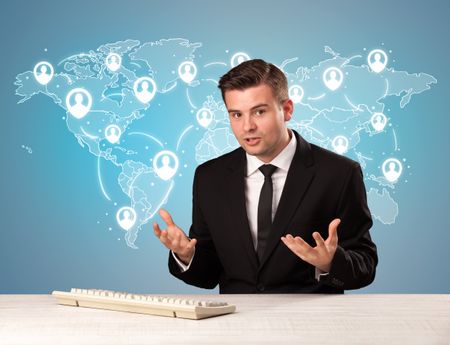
{"x": 392, "y": 169}
{"x": 168, "y": 166}
{"x": 113, "y": 133}
{"x": 126, "y": 217}
{"x": 377, "y": 60}
{"x": 340, "y": 144}
{"x": 296, "y": 93}
{"x": 187, "y": 71}
{"x": 378, "y": 121}
{"x": 239, "y": 58}
{"x": 43, "y": 72}
{"x": 113, "y": 61}
{"x": 204, "y": 117}
{"x": 333, "y": 78}
{"x": 81, "y": 103}
{"x": 144, "y": 89}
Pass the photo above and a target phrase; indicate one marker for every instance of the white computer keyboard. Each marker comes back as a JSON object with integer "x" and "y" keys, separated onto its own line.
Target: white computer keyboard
{"x": 145, "y": 304}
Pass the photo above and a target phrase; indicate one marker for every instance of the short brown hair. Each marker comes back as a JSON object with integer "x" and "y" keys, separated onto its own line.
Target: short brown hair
{"x": 253, "y": 73}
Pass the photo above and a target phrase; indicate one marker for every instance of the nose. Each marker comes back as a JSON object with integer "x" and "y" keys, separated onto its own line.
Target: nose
{"x": 249, "y": 123}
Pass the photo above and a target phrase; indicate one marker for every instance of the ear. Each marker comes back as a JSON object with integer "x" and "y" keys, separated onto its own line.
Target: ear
{"x": 288, "y": 109}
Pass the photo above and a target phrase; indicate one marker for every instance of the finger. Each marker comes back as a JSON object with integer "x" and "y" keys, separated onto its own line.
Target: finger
{"x": 288, "y": 239}
{"x": 295, "y": 248}
{"x": 332, "y": 231}
{"x": 192, "y": 243}
{"x": 301, "y": 242}
{"x": 297, "y": 243}
{"x": 156, "y": 229}
{"x": 163, "y": 237}
{"x": 304, "y": 248}
{"x": 319, "y": 240}
{"x": 166, "y": 217}
{"x": 176, "y": 241}
{"x": 182, "y": 239}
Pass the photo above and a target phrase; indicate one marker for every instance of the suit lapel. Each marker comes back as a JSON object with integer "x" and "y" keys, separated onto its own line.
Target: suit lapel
{"x": 299, "y": 177}
{"x": 236, "y": 200}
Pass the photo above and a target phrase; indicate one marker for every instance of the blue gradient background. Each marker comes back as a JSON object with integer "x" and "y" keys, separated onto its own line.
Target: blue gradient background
{"x": 51, "y": 200}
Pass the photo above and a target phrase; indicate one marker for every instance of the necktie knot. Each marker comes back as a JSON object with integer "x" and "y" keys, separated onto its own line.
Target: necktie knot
{"x": 267, "y": 170}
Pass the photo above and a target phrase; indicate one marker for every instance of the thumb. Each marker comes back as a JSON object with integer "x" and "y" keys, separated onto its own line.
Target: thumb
{"x": 332, "y": 230}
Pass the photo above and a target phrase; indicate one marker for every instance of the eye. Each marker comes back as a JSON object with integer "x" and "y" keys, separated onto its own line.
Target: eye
{"x": 236, "y": 115}
{"x": 259, "y": 112}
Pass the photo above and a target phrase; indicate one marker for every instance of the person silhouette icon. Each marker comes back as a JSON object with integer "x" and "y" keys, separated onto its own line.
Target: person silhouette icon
{"x": 113, "y": 61}
{"x": 340, "y": 144}
{"x": 113, "y": 133}
{"x": 378, "y": 121}
{"x": 239, "y": 58}
{"x": 296, "y": 93}
{"x": 43, "y": 76}
{"x": 126, "y": 217}
{"x": 79, "y": 109}
{"x": 144, "y": 86}
{"x": 43, "y": 72}
{"x": 204, "y": 117}
{"x": 374, "y": 60}
{"x": 142, "y": 89}
{"x": 332, "y": 78}
{"x": 165, "y": 171}
{"x": 392, "y": 169}
{"x": 187, "y": 71}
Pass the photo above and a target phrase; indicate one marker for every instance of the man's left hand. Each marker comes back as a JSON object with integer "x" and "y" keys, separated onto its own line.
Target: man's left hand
{"x": 321, "y": 255}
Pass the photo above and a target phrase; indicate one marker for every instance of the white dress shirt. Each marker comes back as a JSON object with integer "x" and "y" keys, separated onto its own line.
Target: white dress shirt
{"x": 254, "y": 181}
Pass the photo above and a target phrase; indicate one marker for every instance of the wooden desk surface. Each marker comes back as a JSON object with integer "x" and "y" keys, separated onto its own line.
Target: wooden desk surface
{"x": 260, "y": 319}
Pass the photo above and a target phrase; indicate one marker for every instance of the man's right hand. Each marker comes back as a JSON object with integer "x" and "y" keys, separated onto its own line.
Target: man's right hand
{"x": 174, "y": 238}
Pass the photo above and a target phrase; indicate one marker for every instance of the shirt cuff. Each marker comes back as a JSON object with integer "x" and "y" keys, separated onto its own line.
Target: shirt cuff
{"x": 319, "y": 274}
{"x": 182, "y": 266}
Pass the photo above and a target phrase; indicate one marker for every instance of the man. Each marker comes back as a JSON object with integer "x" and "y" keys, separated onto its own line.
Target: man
{"x": 261, "y": 213}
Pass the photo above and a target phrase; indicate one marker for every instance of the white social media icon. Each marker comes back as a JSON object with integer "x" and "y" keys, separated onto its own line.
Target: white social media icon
{"x": 187, "y": 71}
{"x": 113, "y": 61}
{"x": 43, "y": 72}
{"x": 144, "y": 89}
{"x": 377, "y": 60}
{"x": 378, "y": 121}
{"x": 340, "y": 144}
{"x": 239, "y": 58}
{"x": 126, "y": 217}
{"x": 78, "y": 102}
{"x": 333, "y": 78}
{"x": 392, "y": 169}
{"x": 296, "y": 93}
{"x": 113, "y": 133}
{"x": 168, "y": 166}
{"x": 204, "y": 117}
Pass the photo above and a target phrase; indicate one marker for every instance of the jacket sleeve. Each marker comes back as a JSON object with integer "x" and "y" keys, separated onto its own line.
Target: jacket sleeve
{"x": 355, "y": 260}
{"x": 205, "y": 268}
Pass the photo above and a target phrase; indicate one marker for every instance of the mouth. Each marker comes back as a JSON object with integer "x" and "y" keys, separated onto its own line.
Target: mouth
{"x": 252, "y": 141}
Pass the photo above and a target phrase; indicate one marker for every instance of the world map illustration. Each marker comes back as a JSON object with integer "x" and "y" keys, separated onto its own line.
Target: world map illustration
{"x": 152, "y": 111}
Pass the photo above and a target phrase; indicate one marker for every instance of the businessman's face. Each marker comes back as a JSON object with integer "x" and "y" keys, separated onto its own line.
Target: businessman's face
{"x": 258, "y": 120}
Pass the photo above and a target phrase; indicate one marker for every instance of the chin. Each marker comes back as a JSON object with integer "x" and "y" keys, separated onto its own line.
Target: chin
{"x": 252, "y": 150}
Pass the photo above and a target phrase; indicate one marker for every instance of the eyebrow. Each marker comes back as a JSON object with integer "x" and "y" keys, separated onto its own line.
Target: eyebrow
{"x": 252, "y": 108}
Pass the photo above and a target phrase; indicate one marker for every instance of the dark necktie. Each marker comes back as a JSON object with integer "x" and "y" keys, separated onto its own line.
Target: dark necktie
{"x": 265, "y": 208}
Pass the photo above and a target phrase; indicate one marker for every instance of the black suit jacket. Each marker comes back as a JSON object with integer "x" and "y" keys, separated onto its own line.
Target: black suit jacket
{"x": 319, "y": 187}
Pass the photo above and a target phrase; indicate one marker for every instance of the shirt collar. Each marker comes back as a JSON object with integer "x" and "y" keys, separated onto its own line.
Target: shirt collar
{"x": 282, "y": 161}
